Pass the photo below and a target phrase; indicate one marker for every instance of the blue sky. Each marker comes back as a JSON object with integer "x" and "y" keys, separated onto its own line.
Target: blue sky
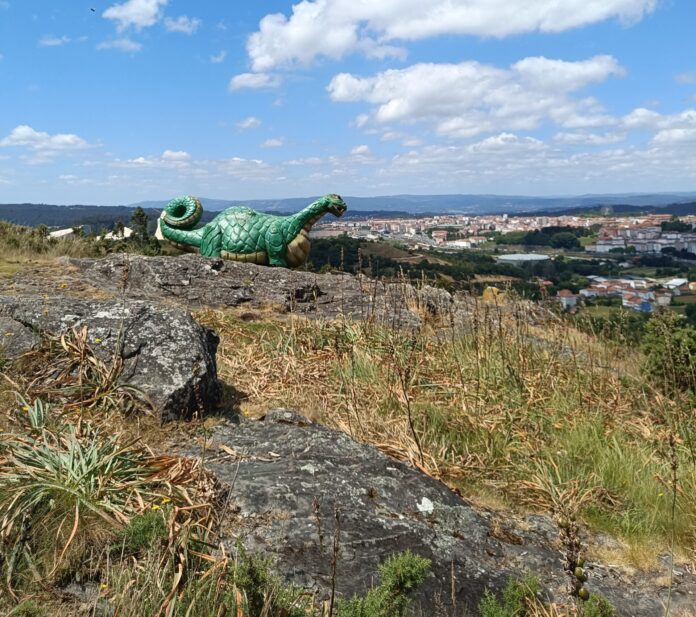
{"x": 148, "y": 99}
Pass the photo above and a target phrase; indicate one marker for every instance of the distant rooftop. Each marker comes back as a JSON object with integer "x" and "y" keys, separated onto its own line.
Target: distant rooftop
{"x": 517, "y": 258}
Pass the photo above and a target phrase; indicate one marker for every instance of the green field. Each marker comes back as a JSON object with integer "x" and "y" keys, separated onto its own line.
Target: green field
{"x": 602, "y": 311}
{"x": 690, "y": 299}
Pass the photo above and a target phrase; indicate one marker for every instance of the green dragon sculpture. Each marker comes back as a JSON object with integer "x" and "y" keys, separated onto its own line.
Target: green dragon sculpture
{"x": 243, "y": 234}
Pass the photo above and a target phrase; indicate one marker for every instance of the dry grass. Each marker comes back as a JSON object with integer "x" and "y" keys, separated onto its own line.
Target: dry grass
{"x": 510, "y": 407}
{"x": 75, "y": 473}
{"x": 65, "y": 373}
{"x": 484, "y": 406}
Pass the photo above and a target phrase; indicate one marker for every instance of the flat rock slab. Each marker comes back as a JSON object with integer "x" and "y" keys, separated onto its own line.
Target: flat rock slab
{"x": 290, "y": 479}
{"x": 166, "y": 353}
{"x": 194, "y": 281}
{"x": 16, "y": 338}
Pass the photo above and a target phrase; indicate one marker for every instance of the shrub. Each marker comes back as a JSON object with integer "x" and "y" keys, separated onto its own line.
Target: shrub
{"x": 517, "y": 599}
{"x": 670, "y": 353}
{"x": 185, "y": 580}
{"x": 597, "y": 606}
{"x": 521, "y": 599}
{"x": 252, "y": 574}
{"x": 401, "y": 574}
{"x": 143, "y": 532}
{"x": 28, "y": 608}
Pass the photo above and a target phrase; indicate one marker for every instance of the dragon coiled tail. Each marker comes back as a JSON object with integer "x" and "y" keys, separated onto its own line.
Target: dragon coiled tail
{"x": 183, "y": 212}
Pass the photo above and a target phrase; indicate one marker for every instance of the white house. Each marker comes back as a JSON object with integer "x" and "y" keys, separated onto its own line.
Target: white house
{"x": 112, "y": 235}
{"x": 63, "y": 233}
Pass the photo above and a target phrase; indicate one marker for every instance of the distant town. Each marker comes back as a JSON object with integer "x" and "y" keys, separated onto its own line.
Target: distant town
{"x": 595, "y": 261}
{"x": 621, "y": 238}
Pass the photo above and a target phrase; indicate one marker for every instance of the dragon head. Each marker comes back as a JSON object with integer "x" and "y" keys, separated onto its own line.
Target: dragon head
{"x": 335, "y": 204}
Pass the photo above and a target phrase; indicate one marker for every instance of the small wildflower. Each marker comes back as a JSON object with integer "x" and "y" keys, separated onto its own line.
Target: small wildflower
{"x": 97, "y": 341}
{"x": 63, "y": 285}
{"x": 155, "y": 507}
{"x": 660, "y": 494}
{"x": 103, "y": 586}
{"x": 25, "y": 407}
{"x": 166, "y": 500}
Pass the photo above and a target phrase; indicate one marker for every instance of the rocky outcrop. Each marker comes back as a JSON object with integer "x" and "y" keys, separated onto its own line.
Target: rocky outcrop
{"x": 15, "y": 338}
{"x": 195, "y": 281}
{"x": 166, "y": 354}
{"x": 294, "y": 486}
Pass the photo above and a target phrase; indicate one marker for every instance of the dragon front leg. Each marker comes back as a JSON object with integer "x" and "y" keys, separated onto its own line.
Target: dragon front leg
{"x": 277, "y": 260}
{"x": 276, "y": 246}
{"x": 211, "y": 243}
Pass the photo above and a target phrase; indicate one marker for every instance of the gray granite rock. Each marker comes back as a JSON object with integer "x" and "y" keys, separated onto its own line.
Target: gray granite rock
{"x": 196, "y": 281}
{"x": 15, "y": 338}
{"x": 293, "y": 485}
{"x": 166, "y": 353}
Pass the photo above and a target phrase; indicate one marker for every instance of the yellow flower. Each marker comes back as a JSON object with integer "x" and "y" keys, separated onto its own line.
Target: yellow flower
{"x": 25, "y": 407}
{"x": 155, "y": 507}
{"x": 166, "y": 500}
{"x": 103, "y": 586}
{"x": 660, "y": 494}
{"x": 97, "y": 341}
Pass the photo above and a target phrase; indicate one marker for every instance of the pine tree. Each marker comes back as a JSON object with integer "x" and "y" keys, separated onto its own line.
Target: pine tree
{"x": 139, "y": 224}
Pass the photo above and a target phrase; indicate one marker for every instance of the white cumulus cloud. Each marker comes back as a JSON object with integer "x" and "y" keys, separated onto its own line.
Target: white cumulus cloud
{"x": 470, "y": 98}
{"x": 250, "y": 122}
{"x": 686, "y": 78}
{"x": 169, "y": 159}
{"x": 136, "y": 13}
{"x": 677, "y": 129}
{"x": 676, "y": 136}
{"x": 274, "y": 142}
{"x": 53, "y": 41}
{"x": 253, "y": 81}
{"x": 591, "y": 139}
{"x": 42, "y": 142}
{"x": 641, "y": 118}
{"x": 218, "y": 58}
{"x": 362, "y": 149}
{"x": 183, "y": 24}
{"x": 334, "y": 28}
{"x": 176, "y": 155}
{"x": 669, "y": 129}
{"x": 122, "y": 44}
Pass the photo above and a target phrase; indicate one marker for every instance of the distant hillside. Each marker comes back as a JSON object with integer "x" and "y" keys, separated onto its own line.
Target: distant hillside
{"x": 96, "y": 217}
{"x": 473, "y": 204}
{"x": 104, "y": 217}
{"x": 678, "y": 209}
{"x": 68, "y": 216}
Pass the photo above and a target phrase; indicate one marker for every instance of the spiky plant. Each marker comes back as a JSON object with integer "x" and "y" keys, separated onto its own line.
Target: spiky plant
{"x": 63, "y": 492}
{"x": 31, "y": 416}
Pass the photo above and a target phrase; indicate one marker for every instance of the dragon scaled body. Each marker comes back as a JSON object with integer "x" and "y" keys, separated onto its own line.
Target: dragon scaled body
{"x": 243, "y": 234}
